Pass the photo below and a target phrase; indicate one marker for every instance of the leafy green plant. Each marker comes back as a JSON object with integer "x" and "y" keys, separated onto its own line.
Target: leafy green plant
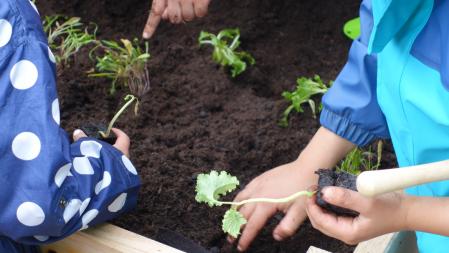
{"x": 359, "y": 160}
{"x": 126, "y": 64}
{"x": 66, "y": 36}
{"x": 211, "y": 187}
{"x": 305, "y": 89}
{"x": 225, "y": 53}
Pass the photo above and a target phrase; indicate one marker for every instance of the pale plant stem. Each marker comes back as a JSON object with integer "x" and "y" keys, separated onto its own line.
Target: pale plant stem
{"x": 117, "y": 115}
{"x": 270, "y": 200}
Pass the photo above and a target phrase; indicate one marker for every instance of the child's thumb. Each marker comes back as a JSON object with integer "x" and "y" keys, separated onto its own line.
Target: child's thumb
{"x": 344, "y": 198}
{"x": 78, "y": 134}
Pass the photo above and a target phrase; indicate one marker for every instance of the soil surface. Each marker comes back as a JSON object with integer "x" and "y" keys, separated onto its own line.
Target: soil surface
{"x": 196, "y": 118}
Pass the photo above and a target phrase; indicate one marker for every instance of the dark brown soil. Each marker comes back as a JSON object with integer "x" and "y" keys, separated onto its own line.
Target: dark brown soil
{"x": 330, "y": 177}
{"x": 196, "y": 118}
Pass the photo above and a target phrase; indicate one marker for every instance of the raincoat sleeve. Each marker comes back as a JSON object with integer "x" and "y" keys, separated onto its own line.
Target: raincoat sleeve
{"x": 350, "y": 107}
{"x": 49, "y": 187}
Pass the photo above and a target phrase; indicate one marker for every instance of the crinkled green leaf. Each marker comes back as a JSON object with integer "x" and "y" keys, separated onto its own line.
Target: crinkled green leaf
{"x": 210, "y": 187}
{"x": 232, "y": 222}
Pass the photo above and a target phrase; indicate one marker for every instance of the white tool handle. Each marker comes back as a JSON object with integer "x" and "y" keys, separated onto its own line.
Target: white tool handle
{"x": 372, "y": 183}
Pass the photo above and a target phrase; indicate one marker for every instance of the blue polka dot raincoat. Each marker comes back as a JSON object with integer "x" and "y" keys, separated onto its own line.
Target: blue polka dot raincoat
{"x": 49, "y": 188}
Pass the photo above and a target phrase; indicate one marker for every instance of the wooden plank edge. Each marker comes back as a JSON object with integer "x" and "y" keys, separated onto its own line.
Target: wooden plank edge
{"x": 107, "y": 238}
{"x": 375, "y": 245}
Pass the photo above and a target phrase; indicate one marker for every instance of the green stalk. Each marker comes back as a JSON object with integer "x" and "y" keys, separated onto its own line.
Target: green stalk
{"x": 270, "y": 200}
{"x": 130, "y": 99}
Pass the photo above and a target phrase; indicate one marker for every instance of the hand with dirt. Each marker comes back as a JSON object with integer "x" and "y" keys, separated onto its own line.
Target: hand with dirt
{"x": 122, "y": 143}
{"x": 176, "y": 11}
{"x": 378, "y": 215}
{"x": 324, "y": 151}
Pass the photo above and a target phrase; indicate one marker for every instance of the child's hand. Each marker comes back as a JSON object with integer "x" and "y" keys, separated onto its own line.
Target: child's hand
{"x": 378, "y": 215}
{"x": 122, "y": 143}
{"x": 177, "y": 11}
{"x": 276, "y": 183}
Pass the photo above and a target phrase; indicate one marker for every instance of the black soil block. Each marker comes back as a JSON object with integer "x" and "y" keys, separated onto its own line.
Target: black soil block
{"x": 330, "y": 177}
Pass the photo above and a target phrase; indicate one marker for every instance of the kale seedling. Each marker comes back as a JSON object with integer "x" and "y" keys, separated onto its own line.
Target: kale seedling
{"x": 225, "y": 50}
{"x": 305, "y": 89}
{"x": 67, "y": 36}
{"x": 126, "y": 64}
{"x": 210, "y": 187}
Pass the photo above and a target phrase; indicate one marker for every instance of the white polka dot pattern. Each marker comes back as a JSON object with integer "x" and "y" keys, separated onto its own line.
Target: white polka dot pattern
{"x": 105, "y": 182}
{"x": 62, "y": 173}
{"x": 84, "y": 205}
{"x": 30, "y": 214}
{"x": 82, "y": 166}
{"x": 55, "y": 111}
{"x": 118, "y": 203}
{"x": 26, "y": 146}
{"x": 88, "y": 217}
{"x": 42, "y": 238}
{"x": 23, "y": 75}
{"x": 129, "y": 166}
{"x": 5, "y": 32}
{"x": 71, "y": 209}
{"x": 90, "y": 148}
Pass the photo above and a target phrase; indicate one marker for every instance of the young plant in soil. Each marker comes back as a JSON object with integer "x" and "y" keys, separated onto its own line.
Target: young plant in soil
{"x": 210, "y": 187}
{"x": 346, "y": 174}
{"x": 225, "y": 53}
{"x": 66, "y": 36}
{"x": 305, "y": 89}
{"x": 125, "y": 64}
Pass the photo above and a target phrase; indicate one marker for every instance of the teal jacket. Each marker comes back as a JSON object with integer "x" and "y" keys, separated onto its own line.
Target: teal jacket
{"x": 396, "y": 83}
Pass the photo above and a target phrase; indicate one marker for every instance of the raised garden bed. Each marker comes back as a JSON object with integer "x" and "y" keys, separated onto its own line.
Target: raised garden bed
{"x": 197, "y": 118}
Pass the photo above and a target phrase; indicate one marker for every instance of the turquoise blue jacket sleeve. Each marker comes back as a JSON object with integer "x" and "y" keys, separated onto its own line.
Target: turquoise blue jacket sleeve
{"x": 350, "y": 107}
{"x": 49, "y": 187}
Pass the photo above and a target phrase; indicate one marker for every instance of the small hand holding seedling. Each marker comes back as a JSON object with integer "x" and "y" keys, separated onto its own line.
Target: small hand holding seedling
{"x": 225, "y": 50}
{"x": 210, "y": 187}
{"x": 375, "y": 197}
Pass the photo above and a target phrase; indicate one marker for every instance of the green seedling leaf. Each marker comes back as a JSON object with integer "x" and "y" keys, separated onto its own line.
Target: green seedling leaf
{"x": 210, "y": 187}
{"x": 306, "y": 88}
{"x": 225, "y": 53}
{"x": 233, "y": 220}
{"x": 125, "y": 64}
{"x": 66, "y": 36}
{"x": 360, "y": 159}
{"x": 352, "y": 28}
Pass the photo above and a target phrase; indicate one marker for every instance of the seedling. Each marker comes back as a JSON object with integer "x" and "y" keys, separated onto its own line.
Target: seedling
{"x": 125, "y": 64}
{"x": 305, "y": 89}
{"x": 225, "y": 52}
{"x": 359, "y": 160}
{"x": 210, "y": 187}
{"x": 66, "y": 36}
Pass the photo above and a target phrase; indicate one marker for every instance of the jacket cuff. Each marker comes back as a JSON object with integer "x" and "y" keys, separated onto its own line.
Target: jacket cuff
{"x": 344, "y": 128}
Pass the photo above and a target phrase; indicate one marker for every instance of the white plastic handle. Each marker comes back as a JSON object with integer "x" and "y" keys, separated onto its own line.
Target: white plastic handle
{"x": 372, "y": 183}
